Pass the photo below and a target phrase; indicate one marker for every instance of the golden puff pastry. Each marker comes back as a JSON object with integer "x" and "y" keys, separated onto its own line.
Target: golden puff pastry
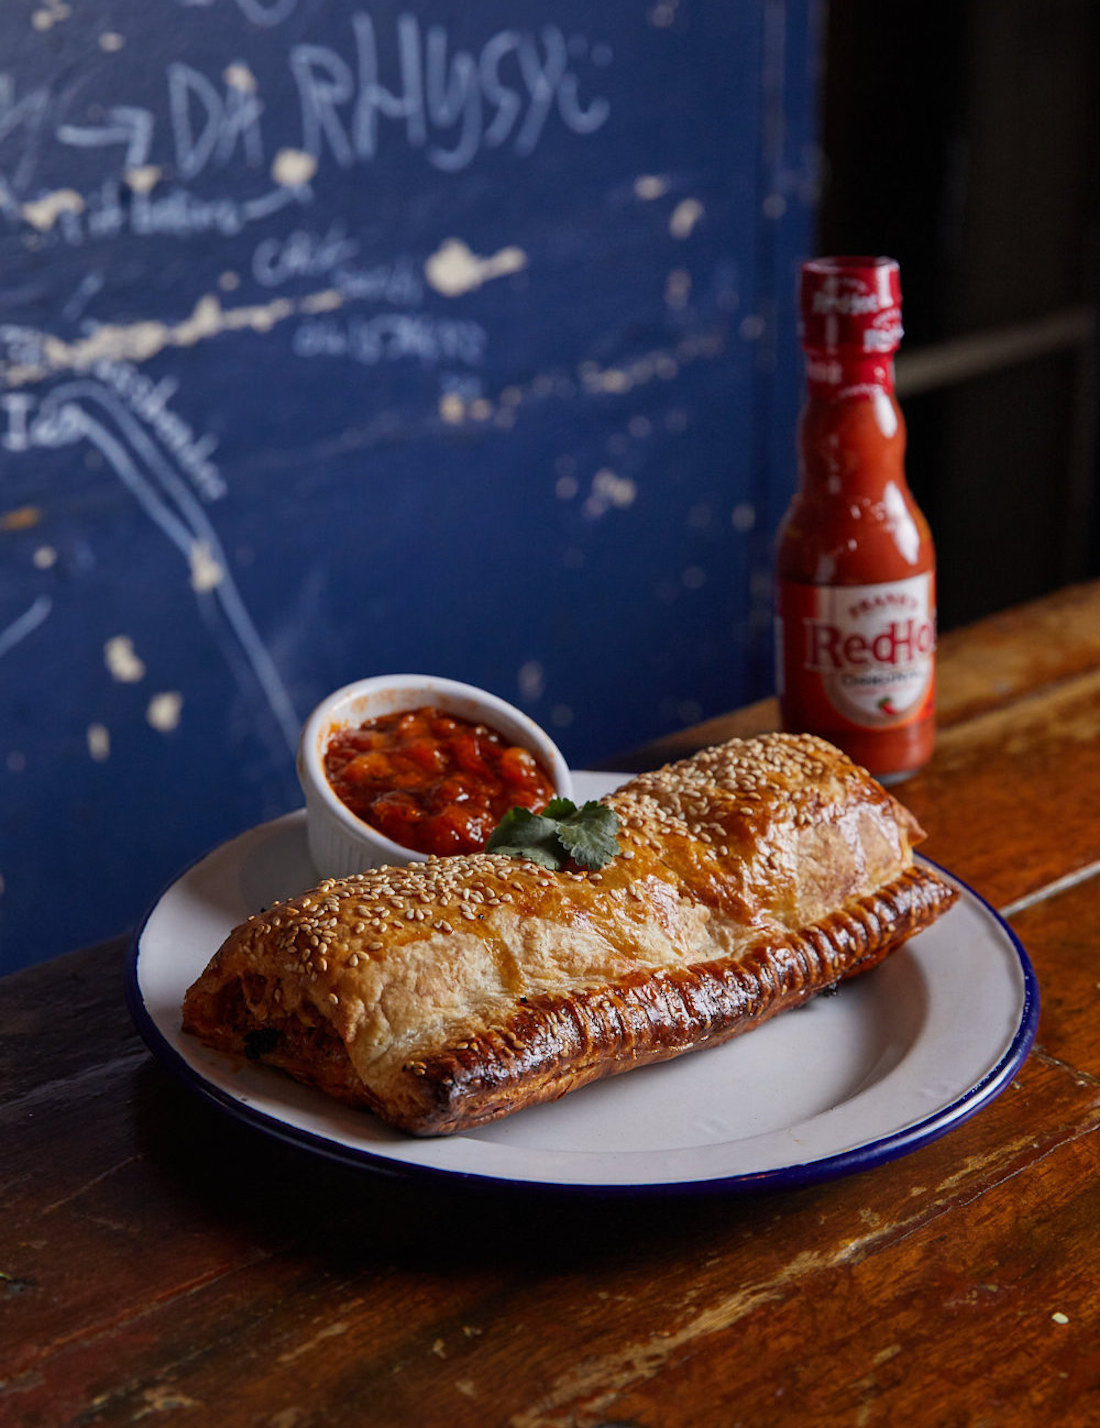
{"x": 445, "y": 994}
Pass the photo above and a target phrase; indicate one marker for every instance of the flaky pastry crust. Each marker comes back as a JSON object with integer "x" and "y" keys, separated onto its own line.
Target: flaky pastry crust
{"x": 445, "y": 994}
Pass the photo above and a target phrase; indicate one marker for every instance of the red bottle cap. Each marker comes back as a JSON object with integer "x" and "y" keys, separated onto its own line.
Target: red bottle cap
{"x": 851, "y": 306}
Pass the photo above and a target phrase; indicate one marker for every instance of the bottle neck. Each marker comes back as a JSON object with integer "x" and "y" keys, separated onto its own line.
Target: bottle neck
{"x": 851, "y": 440}
{"x": 835, "y": 374}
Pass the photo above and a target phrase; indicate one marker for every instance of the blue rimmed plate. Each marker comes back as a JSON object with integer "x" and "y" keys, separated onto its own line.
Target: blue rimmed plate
{"x": 896, "y": 1058}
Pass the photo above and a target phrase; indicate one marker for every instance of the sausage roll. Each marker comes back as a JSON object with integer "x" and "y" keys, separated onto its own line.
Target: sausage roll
{"x": 445, "y": 994}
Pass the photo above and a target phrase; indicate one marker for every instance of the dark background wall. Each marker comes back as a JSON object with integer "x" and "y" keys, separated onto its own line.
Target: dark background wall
{"x": 964, "y": 139}
{"x": 340, "y": 338}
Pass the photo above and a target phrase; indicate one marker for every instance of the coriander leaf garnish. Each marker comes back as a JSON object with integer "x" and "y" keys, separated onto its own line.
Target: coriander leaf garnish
{"x": 561, "y": 832}
{"x": 589, "y": 834}
{"x": 523, "y": 834}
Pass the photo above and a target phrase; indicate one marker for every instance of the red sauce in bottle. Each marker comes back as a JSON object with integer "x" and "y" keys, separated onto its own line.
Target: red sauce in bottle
{"x": 432, "y": 781}
{"x": 855, "y": 564}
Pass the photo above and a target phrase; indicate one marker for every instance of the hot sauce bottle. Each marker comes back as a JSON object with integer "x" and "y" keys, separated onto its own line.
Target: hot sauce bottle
{"x": 855, "y": 565}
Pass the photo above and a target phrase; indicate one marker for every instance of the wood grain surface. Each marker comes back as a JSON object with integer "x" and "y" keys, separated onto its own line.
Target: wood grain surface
{"x": 161, "y": 1263}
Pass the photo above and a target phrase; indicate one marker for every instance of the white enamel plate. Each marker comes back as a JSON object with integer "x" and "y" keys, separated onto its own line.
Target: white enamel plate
{"x": 896, "y": 1058}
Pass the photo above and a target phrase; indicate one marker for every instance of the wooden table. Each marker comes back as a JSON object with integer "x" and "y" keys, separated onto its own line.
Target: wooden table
{"x": 161, "y": 1263}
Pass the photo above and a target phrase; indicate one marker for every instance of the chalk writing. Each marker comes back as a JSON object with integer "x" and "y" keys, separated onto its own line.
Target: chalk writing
{"x": 89, "y": 285}
{"x": 304, "y": 254}
{"x": 113, "y": 209}
{"x": 222, "y": 125}
{"x": 149, "y": 400}
{"x": 90, "y": 410}
{"x": 30, "y": 424}
{"x": 506, "y": 91}
{"x": 125, "y": 124}
{"x": 412, "y": 85}
{"x": 26, "y": 624}
{"x": 392, "y": 337}
{"x": 263, "y": 13}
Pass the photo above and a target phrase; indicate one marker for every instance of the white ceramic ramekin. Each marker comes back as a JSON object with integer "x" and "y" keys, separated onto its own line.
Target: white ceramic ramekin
{"x": 339, "y": 842}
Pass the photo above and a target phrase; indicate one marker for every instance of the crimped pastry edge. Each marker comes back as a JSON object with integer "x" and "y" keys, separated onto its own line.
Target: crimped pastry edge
{"x": 553, "y": 1044}
{"x": 556, "y": 1044}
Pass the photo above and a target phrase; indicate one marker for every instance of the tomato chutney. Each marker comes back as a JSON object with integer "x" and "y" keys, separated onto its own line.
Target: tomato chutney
{"x": 433, "y": 781}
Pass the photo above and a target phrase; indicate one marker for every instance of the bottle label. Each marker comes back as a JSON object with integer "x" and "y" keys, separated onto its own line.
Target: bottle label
{"x": 856, "y": 656}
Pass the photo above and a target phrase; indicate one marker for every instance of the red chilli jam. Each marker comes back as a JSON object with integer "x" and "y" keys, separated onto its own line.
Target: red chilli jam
{"x": 433, "y": 781}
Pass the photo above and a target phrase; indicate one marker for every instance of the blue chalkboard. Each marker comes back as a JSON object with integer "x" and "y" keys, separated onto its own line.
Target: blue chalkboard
{"x": 344, "y": 338}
